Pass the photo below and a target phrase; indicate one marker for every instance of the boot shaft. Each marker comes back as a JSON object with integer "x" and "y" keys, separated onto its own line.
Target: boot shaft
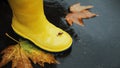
{"x": 26, "y": 6}
{"x": 30, "y": 13}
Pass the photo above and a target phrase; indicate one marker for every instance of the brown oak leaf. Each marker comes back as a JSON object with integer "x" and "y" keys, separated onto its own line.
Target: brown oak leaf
{"x": 20, "y": 54}
{"x": 78, "y": 13}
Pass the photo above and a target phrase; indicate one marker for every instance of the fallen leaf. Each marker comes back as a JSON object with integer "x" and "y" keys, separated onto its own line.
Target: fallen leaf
{"x": 78, "y": 13}
{"x": 38, "y": 56}
{"x": 20, "y": 54}
{"x": 77, "y": 7}
{"x": 18, "y": 57}
{"x": 77, "y": 17}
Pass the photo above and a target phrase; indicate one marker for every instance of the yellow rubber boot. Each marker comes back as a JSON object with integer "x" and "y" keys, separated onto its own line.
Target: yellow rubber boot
{"x": 29, "y": 21}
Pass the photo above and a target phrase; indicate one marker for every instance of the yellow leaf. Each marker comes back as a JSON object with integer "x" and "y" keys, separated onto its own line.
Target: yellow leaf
{"x": 20, "y": 59}
{"x": 8, "y": 55}
{"x": 38, "y": 56}
{"x": 20, "y": 54}
{"x": 15, "y": 54}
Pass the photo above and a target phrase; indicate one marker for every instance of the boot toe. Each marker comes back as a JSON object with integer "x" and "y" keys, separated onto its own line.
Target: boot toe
{"x": 55, "y": 43}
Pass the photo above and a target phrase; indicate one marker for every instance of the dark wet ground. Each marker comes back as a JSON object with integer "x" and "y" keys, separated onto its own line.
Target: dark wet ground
{"x": 96, "y": 45}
